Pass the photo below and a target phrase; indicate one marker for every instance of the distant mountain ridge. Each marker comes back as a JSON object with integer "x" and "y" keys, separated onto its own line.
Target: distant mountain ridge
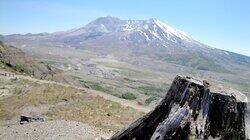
{"x": 163, "y": 41}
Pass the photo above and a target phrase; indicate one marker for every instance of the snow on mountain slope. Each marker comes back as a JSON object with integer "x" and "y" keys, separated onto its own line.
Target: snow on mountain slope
{"x": 137, "y": 31}
{"x": 171, "y": 31}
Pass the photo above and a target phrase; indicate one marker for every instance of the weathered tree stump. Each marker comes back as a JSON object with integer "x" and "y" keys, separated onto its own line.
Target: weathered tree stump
{"x": 190, "y": 111}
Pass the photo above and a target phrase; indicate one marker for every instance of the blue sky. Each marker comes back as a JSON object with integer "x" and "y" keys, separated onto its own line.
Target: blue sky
{"x": 223, "y": 24}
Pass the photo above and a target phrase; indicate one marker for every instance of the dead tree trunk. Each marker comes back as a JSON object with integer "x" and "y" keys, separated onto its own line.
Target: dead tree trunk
{"x": 189, "y": 111}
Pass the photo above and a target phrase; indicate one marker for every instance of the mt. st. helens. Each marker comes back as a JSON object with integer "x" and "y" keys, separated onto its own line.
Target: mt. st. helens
{"x": 140, "y": 37}
{"x": 133, "y": 31}
{"x": 105, "y": 29}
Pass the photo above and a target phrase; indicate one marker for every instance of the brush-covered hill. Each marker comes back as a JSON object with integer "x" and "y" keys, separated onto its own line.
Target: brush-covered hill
{"x": 16, "y": 60}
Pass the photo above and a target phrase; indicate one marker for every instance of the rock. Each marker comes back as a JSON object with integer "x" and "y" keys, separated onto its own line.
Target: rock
{"x": 191, "y": 111}
{"x": 27, "y": 119}
{"x": 65, "y": 100}
{"x": 108, "y": 114}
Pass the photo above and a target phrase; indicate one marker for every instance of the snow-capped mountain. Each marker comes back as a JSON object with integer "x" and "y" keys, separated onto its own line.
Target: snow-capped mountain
{"x": 151, "y": 37}
{"x": 113, "y": 31}
{"x": 152, "y": 31}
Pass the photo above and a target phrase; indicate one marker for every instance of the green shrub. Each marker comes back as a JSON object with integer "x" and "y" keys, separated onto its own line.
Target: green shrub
{"x": 128, "y": 96}
{"x": 99, "y": 87}
{"x": 20, "y": 68}
{"x": 149, "y": 100}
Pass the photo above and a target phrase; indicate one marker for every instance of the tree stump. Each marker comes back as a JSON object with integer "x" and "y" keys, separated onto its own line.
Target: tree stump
{"x": 190, "y": 111}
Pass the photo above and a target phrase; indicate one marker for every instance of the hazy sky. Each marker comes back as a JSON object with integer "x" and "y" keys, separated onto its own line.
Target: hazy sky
{"x": 221, "y": 24}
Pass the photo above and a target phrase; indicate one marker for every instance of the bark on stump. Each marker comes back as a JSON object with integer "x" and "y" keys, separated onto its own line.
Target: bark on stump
{"x": 190, "y": 111}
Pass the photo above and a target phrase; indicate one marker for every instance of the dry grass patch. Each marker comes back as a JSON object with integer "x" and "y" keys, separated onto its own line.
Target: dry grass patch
{"x": 67, "y": 103}
{"x": 33, "y": 94}
{"x": 96, "y": 111}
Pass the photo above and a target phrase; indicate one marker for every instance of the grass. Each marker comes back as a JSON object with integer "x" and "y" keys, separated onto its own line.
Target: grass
{"x": 96, "y": 111}
{"x": 152, "y": 90}
{"x": 107, "y": 88}
{"x": 126, "y": 91}
{"x": 99, "y": 87}
{"x": 243, "y": 86}
{"x": 94, "y": 85}
{"x": 20, "y": 68}
{"x": 35, "y": 95}
{"x": 196, "y": 61}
